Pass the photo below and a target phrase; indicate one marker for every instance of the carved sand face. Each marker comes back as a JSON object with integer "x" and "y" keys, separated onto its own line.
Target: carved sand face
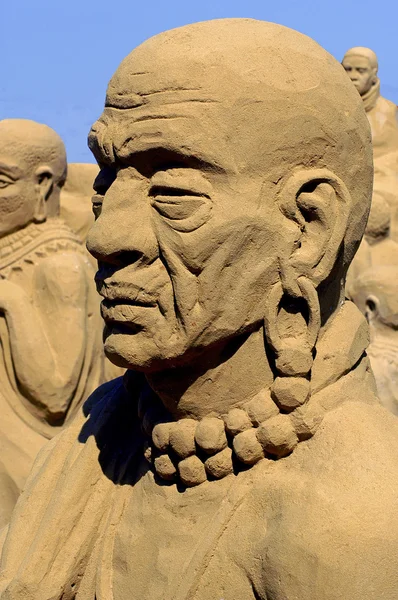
{"x": 202, "y": 143}
{"x": 17, "y": 181}
{"x": 360, "y": 72}
{"x": 187, "y": 245}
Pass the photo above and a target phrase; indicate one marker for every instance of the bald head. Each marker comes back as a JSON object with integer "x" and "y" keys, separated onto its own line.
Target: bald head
{"x": 249, "y": 137}
{"x": 278, "y": 101}
{"x": 32, "y": 172}
{"x": 34, "y": 144}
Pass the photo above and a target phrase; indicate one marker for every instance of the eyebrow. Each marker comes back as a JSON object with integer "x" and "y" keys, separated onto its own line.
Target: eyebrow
{"x": 166, "y": 153}
{"x": 12, "y": 170}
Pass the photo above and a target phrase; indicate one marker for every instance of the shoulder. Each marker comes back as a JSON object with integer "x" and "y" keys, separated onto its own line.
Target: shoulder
{"x": 350, "y": 466}
{"x": 65, "y": 261}
{"x": 387, "y": 105}
{"x": 332, "y": 519}
{"x": 67, "y": 271}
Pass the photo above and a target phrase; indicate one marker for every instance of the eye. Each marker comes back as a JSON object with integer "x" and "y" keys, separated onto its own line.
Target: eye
{"x": 176, "y": 204}
{"x": 182, "y": 198}
{"x": 4, "y": 182}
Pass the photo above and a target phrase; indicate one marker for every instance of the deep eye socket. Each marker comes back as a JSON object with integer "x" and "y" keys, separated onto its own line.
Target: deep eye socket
{"x": 176, "y": 203}
{"x": 104, "y": 180}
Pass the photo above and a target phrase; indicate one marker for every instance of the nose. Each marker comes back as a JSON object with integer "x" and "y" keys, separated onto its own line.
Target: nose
{"x": 124, "y": 233}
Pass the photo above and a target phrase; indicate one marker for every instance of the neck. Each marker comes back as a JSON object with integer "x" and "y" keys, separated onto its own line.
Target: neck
{"x": 370, "y": 97}
{"x": 218, "y": 380}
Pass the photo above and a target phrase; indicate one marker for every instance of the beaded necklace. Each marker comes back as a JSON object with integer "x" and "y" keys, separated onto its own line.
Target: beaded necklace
{"x": 192, "y": 451}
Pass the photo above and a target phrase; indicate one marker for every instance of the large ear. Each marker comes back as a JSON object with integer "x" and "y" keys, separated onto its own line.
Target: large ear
{"x": 319, "y": 203}
{"x": 44, "y": 187}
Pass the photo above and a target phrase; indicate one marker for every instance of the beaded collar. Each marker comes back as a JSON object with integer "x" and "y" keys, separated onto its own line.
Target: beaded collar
{"x": 192, "y": 451}
{"x": 25, "y": 246}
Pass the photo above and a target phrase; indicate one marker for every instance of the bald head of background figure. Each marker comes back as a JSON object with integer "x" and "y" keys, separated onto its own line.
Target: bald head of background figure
{"x": 32, "y": 172}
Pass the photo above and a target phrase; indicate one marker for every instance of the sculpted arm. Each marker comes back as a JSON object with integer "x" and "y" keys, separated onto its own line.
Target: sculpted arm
{"x": 48, "y": 335}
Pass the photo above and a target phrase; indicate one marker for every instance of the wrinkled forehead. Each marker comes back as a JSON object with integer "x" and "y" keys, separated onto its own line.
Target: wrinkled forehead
{"x": 357, "y": 60}
{"x": 162, "y": 106}
{"x": 210, "y": 102}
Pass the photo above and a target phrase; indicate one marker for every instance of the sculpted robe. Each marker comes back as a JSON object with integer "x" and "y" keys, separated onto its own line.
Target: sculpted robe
{"x": 95, "y": 524}
{"x": 54, "y": 295}
{"x": 383, "y": 119}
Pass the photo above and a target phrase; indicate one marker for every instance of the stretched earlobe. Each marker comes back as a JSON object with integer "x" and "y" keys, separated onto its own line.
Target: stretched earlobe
{"x": 318, "y": 202}
{"x": 44, "y": 187}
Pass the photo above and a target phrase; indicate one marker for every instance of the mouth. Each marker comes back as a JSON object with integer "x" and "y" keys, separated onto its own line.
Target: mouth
{"x": 126, "y": 311}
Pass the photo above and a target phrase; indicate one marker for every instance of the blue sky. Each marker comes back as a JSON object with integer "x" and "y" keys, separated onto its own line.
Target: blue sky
{"x": 57, "y": 56}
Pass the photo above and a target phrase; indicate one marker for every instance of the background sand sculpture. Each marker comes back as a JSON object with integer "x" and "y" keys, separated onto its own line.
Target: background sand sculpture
{"x": 51, "y": 355}
{"x": 386, "y": 185}
{"x": 245, "y": 455}
{"x": 374, "y": 291}
{"x": 76, "y": 209}
{"x": 377, "y": 249}
{"x": 361, "y": 65}
{"x": 372, "y": 283}
{"x": 77, "y": 212}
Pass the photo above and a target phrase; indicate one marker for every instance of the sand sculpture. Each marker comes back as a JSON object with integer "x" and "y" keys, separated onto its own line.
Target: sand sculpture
{"x": 372, "y": 284}
{"x": 377, "y": 249}
{"x": 76, "y": 195}
{"x": 375, "y": 293}
{"x": 362, "y": 66}
{"x": 245, "y": 454}
{"x": 77, "y": 212}
{"x": 386, "y": 185}
{"x": 50, "y": 327}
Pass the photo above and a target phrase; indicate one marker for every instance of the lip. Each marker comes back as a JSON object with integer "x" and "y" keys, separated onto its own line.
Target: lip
{"x": 125, "y": 293}
{"x": 126, "y": 312}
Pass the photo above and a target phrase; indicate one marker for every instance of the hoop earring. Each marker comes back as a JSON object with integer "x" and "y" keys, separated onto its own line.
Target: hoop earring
{"x": 293, "y": 357}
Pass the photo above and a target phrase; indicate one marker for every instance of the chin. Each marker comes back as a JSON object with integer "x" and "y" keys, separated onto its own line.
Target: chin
{"x": 137, "y": 351}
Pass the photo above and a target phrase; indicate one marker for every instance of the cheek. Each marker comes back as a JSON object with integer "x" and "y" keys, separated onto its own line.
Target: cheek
{"x": 222, "y": 272}
{"x": 231, "y": 268}
{"x": 14, "y": 200}
{"x": 240, "y": 272}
